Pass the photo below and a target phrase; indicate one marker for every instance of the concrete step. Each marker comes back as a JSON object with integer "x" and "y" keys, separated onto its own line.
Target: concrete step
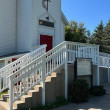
{"x": 31, "y": 92}
{"x": 48, "y": 79}
{"x": 54, "y": 74}
{"x": 29, "y": 100}
{"x": 19, "y": 104}
{"x": 34, "y": 97}
{"x": 24, "y": 98}
{"x": 5, "y": 106}
{"x": 5, "y": 97}
{"x": 8, "y": 100}
{"x": 37, "y": 87}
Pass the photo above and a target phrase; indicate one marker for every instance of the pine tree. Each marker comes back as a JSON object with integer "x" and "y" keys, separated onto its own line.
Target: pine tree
{"x": 101, "y": 36}
{"x": 106, "y": 39}
{"x": 98, "y": 36}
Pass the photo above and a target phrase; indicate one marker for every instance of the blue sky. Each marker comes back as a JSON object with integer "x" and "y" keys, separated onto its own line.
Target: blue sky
{"x": 90, "y": 12}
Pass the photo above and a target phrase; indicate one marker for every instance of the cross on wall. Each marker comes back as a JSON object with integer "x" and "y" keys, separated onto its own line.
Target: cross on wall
{"x": 44, "y": 5}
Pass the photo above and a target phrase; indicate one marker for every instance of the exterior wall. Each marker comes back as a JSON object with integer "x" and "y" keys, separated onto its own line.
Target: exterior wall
{"x": 19, "y": 26}
{"x": 55, "y": 12}
{"x": 23, "y": 25}
{"x": 94, "y": 75}
{"x": 7, "y": 26}
{"x": 2, "y": 63}
{"x": 62, "y": 31}
{"x": 55, "y": 88}
{"x": 104, "y": 75}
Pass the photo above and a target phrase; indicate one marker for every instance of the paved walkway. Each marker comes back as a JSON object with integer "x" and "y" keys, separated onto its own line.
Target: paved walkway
{"x": 95, "y": 103}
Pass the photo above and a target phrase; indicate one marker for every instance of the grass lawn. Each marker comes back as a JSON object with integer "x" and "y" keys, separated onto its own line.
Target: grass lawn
{"x": 4, "y": 92}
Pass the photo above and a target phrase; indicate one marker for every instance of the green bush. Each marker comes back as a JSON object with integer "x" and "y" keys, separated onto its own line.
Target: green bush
{"x": 97, "y": 91}
{"x": 80, "y": 91}
{"x": 4, "y": 92}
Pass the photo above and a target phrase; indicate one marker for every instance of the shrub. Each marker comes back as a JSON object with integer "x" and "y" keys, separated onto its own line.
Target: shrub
{"x": 80, "y": 90}
{"x": 97, "y": 91}
{"x": 4, "y": 92}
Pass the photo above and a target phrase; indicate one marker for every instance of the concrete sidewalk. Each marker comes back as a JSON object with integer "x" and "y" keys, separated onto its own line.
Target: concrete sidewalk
{"x": 95, "y": 103}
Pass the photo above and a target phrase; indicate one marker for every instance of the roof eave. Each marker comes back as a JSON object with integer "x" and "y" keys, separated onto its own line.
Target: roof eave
{"x": 66, "y": 22}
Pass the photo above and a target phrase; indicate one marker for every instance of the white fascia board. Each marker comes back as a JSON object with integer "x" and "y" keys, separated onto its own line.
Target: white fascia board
{"x": 66, "y": 22}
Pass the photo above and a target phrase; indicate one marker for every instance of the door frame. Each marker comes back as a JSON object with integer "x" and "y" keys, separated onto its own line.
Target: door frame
{"x": 41, "y": 29}
{"x": 47, "y": 34}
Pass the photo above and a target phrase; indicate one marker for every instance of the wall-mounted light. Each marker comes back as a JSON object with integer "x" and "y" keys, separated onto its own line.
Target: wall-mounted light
{"x": 47, "y": 18}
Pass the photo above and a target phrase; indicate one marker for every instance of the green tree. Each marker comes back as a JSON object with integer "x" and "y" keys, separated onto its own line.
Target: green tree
{"x": 98, "y": 36}
{"x": 106, "y": 39}
{"x": 101, "y": 36}
{"x": 75, "y": 32}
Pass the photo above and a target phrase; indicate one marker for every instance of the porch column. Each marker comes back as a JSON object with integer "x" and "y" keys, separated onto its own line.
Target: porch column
{"x": 66, "y": 72}
{"x": 43, "y": 80}
{"x": 108, "y": 68}
{"x": 98, "y": 74}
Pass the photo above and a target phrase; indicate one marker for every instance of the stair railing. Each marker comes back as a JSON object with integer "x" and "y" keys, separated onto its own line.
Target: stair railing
{"x": 17, "y": 65}
{"x": 82, "y": 50}
{"x": 36, "y": 71}
{"x": 104, "y": 59}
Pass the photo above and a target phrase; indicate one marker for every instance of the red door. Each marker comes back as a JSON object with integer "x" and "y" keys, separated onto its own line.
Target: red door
{"x": 13, "y": 59}
{"x": 45, "y": 39}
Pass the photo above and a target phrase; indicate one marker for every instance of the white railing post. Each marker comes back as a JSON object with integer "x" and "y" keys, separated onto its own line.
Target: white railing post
{"x": 98, "y": 76}
{"x": 43, "y": 79}
{"x": 66, "y": 72}
{"x": 11, "y": 94}
{"x": 0, "y": 83}
{"x": 108, "y": 68}
{"x": 78, "y": 51}
{"x": 18, "y": 64}
{"x": 93, "y": 54}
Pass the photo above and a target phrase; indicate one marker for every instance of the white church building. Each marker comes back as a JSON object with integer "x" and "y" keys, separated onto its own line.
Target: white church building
{"x": 26, "y": 24}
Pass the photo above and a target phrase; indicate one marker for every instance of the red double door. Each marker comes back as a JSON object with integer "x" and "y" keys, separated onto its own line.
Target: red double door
{"x": 45, "y": 39}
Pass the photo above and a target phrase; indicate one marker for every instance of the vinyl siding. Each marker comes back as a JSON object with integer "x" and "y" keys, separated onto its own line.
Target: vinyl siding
{"x": 62, "y": 31}
{"x": 55, "y": 12}
{"x": 23, "y": 25}
{"x": 7, "y": 26}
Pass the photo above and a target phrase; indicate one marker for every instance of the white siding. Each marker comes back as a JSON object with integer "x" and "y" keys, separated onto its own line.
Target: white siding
{"x": 23, "y": 25}
{"x": 54, "y": 11}
{"x": 19, "y": 27}
{"x": 2, "y": 63}
{"x": 62, "y": 31}
{"x": 7, "y": 26}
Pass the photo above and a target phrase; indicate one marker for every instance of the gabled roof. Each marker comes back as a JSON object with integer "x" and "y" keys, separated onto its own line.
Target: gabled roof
{"x": 66, "y": 22}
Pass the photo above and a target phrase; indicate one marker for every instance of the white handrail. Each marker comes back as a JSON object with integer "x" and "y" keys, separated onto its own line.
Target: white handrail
{"x": 82, "y": 50}
{"x": 104, "y": 60}
{"x": 17, "y": 65}
{"x": 36, "y": 71}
